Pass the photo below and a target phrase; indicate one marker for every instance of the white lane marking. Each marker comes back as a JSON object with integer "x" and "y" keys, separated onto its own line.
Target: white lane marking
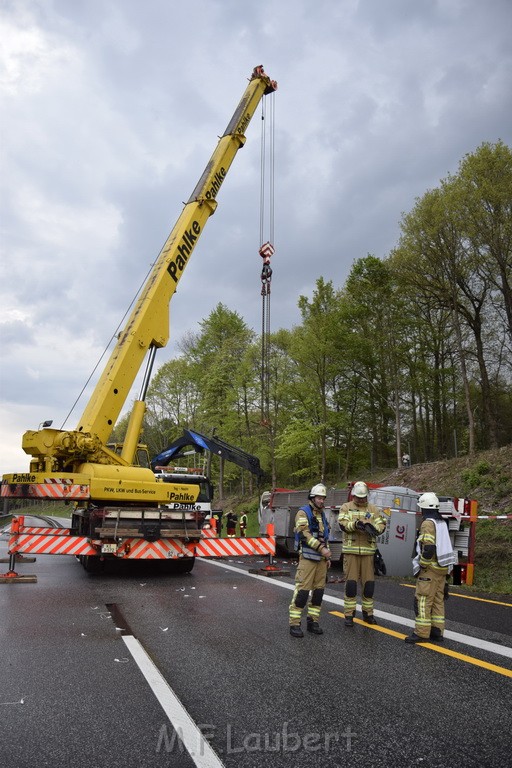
{"x": 195, "y": 743}
{"x": 457, "y": 637}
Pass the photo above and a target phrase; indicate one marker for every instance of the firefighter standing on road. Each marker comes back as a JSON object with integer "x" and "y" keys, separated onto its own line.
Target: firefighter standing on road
{"x": 217, "y": 514}
{"x": 361, "y": 523}
{"x": 432, "y": 565}
{"x": 243, "y": 524}
{"x": 231, "y": 519}
{"x": 312, "y": 533}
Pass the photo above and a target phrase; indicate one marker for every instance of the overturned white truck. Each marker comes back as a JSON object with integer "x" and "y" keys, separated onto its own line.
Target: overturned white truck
{"x": 280, "y": 506}
{"x": 399, "y": 507}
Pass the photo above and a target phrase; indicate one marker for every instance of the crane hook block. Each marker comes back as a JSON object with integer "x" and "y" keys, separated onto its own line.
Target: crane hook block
{"x": 266, "y": 251}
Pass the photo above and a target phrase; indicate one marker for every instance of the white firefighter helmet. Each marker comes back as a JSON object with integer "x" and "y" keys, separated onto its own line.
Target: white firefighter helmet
{"x": 360, "y": 490}
{"x": 428, "y": 500}
{"x": 318, "y": 490}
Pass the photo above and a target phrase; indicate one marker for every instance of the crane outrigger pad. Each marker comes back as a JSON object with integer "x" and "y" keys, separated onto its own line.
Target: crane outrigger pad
{"x": 14, "y": 578}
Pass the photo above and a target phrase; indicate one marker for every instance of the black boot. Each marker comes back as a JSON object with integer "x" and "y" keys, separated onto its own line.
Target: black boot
{"x": 296, "y": 631}
{"x": 369, "y": 618}
{"x": 349, "y": 621}
{"x": 314, "y": 626}
{"x": 436, "y": 634}
{"x": 414, "y": 638}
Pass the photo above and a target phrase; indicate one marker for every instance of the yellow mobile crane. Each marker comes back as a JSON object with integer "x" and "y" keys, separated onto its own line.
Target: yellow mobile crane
{"x": 123, "y": 508}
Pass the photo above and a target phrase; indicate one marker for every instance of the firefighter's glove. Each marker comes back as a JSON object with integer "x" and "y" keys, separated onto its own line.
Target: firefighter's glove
{"x": 371, "y": 530}
{"x": 360, "y": 525}
{"x": 446, "y": 594}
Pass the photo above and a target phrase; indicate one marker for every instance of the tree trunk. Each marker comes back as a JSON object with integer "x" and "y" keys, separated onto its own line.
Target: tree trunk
{"x": 467, "y": 391}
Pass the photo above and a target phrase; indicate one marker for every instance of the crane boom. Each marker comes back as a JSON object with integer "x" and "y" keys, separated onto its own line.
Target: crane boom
{"x": 149, "y": 322}
{"x": 147, "y": 328}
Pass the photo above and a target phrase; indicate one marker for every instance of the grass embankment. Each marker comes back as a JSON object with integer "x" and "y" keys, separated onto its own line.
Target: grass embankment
{"x": 493, "y": 556}
{"x": 487, "y": 478}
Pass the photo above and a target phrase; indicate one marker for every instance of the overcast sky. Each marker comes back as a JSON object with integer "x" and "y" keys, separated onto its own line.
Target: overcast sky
{"x": 111, "y": 109}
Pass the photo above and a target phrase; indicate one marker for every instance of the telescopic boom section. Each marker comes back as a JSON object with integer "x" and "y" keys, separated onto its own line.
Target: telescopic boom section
{"x": 148, "y": 325}
{"x": 149, "y": 322}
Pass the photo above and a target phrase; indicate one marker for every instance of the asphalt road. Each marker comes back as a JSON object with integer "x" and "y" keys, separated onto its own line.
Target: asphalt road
{"x": 106, "y": 670}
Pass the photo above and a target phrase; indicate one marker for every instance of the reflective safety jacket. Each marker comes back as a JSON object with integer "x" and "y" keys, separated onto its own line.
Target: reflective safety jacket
{"x": 356, "y": 542}
{"x": 313, "y": 535}
{"x": 431, "y": 551}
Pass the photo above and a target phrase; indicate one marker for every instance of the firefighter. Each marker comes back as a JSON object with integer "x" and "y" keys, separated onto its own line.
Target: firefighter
{"x": 312, "y": 537}
{"x": 243, "y": 525}
{"x": 361, "y": 523}
{"x": 217, "y": 514}
{"x": 432, "y": 565}
{"x": 231, "y": 519}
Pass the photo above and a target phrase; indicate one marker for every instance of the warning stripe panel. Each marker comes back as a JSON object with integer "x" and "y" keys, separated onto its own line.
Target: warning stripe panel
{"x": 162, "y": 549}
{"x": 51, "y": 545}
{"x": 60, "y": 491}
{"x": 61, "y": 480}
{"x": 45, "y": 491}
{"x": 47, "y": 541}
{"x": 208, "y": 533}
{"x": 45, "y": 530}
{"x": 236, "y": 547}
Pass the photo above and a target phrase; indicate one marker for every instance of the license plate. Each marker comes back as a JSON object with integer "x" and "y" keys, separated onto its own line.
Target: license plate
{"x": 109, "y": 549}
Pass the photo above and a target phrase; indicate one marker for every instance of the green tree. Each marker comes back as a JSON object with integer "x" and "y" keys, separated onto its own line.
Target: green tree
{"x": 315, "y": 350}
{"x": 454, "y": 252}
{"x": 217, "y": 355}
{"x": 172, "y": 403}
{"x": 484, "y": 185}
{"x": 372, "y": 309}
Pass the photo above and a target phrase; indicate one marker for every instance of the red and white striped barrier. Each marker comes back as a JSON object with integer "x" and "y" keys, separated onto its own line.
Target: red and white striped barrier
{"x": 234, "y": 547}
{"x": 462, "y": 517}
{"x": 51, "y": 489}
{"x": 487, "y": 517}
{"x": 161, "y": 549}
{"x": 60, "y": 541}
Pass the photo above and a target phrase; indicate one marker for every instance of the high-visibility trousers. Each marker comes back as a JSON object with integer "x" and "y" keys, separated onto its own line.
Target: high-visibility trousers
{"x": 310, "y": 581}
{"x": 429, "y": 601}
{"x": 358, "y": 568}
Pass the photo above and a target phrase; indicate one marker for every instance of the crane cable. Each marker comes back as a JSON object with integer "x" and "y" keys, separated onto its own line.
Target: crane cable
{"x": 267, "y": 249}
{"x": 112, "y": 339}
